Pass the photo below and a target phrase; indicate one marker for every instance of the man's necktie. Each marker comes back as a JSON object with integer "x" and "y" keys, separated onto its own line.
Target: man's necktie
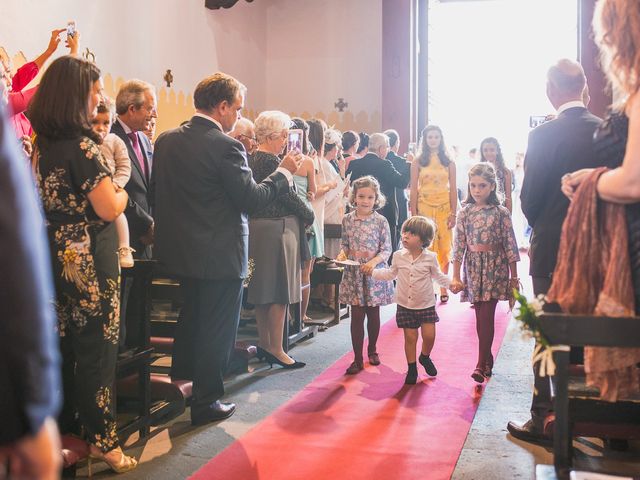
{"x": 136, "y": 148}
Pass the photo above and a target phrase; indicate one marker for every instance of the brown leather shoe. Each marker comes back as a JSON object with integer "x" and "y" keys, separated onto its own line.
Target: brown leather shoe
{"x": 528, "y": 432}
{"x": 374, "y": 359}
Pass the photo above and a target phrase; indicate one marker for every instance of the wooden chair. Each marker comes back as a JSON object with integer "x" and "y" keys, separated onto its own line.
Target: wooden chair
{"x": 578, "y": 412}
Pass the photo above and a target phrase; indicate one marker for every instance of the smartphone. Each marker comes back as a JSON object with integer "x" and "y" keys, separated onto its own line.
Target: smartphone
{"x": 536, "y": 120}
{"x": 71, "y": 28}
{"x": 412, "y": 148}
{"x": 294, "y": 142}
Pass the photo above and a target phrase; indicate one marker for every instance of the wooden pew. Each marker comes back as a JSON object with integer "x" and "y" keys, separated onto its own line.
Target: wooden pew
{"x": 578, "y": 412}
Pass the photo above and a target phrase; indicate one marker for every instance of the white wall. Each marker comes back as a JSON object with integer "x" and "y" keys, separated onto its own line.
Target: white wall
{"x": 319, "y": 51}
{"x": 293, "y": 55}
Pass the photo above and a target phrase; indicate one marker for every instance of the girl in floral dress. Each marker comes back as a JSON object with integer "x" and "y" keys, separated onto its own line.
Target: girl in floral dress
{"x": 486, "y": 245}
{"x": 366, "y": 239}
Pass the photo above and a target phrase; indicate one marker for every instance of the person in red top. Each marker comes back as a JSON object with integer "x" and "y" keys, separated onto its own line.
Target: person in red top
{"x": 18, "y": 98}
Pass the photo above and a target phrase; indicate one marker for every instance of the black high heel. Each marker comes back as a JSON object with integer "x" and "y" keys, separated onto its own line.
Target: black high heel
{"x": 261, "y": 353}
{"x": 271, "y": 359}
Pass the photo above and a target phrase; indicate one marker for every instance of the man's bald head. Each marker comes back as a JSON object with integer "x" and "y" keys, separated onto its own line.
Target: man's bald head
{"x": 566, "y": 82}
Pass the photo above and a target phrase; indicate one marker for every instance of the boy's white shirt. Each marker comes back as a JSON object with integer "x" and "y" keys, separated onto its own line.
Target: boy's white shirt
{"x": 414, "y": 288}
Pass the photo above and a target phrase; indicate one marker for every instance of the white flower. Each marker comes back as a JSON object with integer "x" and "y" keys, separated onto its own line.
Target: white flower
{"x": 537, "y": 305}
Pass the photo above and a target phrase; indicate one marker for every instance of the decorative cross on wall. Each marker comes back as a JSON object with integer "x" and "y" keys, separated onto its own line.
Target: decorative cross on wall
{"x": 168, "y": 77}
{"x": 89, "y": 55}
{"x": 341, "y": 104}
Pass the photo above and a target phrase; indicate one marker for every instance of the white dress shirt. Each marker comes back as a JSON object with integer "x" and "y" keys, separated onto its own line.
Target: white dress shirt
{"x": 284, "y": 171}
{"x": 571, "y": 104}
{"x": 414, "y": 288}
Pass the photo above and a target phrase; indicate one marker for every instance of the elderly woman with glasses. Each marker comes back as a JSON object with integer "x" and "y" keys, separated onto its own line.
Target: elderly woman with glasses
{"x": 276, "y": 243}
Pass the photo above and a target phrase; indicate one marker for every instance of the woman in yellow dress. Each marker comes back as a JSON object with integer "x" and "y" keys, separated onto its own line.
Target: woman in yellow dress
{"x": 434, "y": 194}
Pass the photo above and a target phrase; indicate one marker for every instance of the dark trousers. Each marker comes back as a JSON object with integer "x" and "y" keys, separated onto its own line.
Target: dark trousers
{"x": 131, "y": 298}
{"x": 206, "y": 335}
{"x": 541, "y": 404}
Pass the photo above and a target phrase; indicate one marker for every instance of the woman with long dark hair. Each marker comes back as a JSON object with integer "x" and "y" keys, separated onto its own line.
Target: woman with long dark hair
{"x": 79, "y": 202}
{"x": 434, "y": 194}
{"x": 491, "y": 152}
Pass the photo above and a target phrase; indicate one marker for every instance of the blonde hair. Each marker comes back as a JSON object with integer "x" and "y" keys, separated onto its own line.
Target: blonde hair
{"x": 423, "y": 227}
{"x": 270, "y": 122}
{"x": 367, "y": 182}
{"x": 488, "y": 172}
{"x": 616, "y": 24}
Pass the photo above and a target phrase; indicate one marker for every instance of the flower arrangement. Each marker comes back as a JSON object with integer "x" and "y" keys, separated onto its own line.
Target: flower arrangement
{"x": 528, "y": 313}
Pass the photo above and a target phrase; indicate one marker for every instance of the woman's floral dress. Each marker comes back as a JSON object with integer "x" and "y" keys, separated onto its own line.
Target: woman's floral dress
{"x": 86, "y": 277}
{"x": 485, "y": 274}
{"x": 370, "y": 236}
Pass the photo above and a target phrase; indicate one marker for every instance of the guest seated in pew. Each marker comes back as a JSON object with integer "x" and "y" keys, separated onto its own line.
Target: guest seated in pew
{"x": 80, "y": 201}
{"x": 203, "y": 191}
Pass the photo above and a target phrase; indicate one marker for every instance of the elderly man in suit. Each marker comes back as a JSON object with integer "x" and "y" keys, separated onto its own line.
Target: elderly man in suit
{"x": 555, "y": 148}
{"x": 29, "y": 357}
{"x": 376, "y": 164}
{"x": 136, "y": 108}
{"x": 203, "y": 191}
{"x": 245, "y": 133}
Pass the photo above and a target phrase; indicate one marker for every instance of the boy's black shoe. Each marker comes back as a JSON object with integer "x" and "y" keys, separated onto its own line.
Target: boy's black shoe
{"x": 412, "y": 374}
{"x": 428, "y": 365}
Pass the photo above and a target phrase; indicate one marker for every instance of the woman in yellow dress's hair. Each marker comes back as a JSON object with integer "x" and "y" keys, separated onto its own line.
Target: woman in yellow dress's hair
{"x": 434, "y": 195}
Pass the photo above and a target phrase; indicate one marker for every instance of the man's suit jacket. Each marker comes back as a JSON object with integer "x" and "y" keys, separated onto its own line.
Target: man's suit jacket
{"x": 138, "y": 211}
{"x": 388, "y": 177}
{"x": 29, "y": 356}
{"x": 555, "y": 148}
{"x": 401, "y": 165}
{"x": 203, "y": 190}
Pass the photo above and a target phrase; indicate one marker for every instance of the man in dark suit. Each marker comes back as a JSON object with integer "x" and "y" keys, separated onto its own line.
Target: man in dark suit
{"x": 375, "y": 164}
{"x": 203, "y": 190}
{"x": 401, "y": 165}
{"x": 29, "y": 357}
{"x": 136, "y": 108}
{"x": 555, "y": 148}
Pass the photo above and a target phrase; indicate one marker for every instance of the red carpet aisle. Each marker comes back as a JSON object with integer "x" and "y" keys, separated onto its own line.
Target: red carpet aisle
{"x": 370, "y": 426}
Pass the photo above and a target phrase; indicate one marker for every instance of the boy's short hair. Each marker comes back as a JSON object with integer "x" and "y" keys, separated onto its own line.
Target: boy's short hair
{"x": 422, "y": 227}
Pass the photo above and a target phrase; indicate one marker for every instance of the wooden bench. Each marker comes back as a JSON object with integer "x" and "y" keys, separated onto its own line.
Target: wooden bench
{"x": 578, "y": 412}
{"x": 330, "y": 275}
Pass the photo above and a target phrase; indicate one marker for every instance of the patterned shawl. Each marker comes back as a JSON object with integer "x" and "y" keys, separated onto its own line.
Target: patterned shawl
{"x": 593, "y": 276}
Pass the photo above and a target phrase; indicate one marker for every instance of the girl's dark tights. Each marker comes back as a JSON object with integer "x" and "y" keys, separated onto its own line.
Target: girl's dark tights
{"x": 358, "y": 314}
{"x": 485, "y": 316}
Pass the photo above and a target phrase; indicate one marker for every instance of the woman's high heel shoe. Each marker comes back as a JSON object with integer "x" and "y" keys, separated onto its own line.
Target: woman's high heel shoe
{"x": 121, "y": 464}
{"x": 261, "y": 353}
{"x": 271, "y": 359}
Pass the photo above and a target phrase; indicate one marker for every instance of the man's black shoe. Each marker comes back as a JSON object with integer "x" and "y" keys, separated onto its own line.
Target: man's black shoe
{"x": 527, "y": 432}
{"x": 212, "y": 412}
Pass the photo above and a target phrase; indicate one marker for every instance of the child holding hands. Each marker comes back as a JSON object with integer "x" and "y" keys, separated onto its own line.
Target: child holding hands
{"x": 366, "y": 239}
{"x": 416, "y": 268}
{"x": 486, "y": 244}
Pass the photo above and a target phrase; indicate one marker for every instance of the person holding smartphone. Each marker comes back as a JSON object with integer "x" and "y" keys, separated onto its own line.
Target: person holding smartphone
{"x": 19, "y": 98}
